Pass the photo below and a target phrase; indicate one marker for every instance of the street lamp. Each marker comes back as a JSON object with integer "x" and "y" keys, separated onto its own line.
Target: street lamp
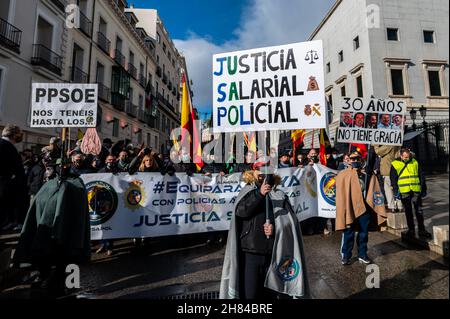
{"x": 413, "y": 115}
{"x": 423, "y": 113}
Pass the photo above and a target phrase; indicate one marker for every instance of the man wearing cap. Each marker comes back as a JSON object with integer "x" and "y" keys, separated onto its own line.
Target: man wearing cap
{"x": 264, "y": 253}
{"x": 351, "y": 210}
{"x": 284, "y": 160}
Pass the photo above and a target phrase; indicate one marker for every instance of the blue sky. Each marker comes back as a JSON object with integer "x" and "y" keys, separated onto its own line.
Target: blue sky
{"x": 201, "y": 28}
{"x": 213, "y": 18}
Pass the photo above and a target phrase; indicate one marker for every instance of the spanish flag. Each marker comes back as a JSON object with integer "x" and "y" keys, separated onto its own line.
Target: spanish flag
{"x": 297, "y": 137}
{"x": 324, "y": 144}
{"x": 250, "y": 142}
{"x": 361, "y": 148}
{"x": 188, "y": 122}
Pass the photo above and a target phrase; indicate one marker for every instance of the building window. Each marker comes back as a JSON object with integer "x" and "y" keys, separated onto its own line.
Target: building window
{"x": 343, "y": 91}
{"x": 341, "y": 56}
{"x": 157, "y": 59}
{"x": 164, "y": 47}
{"x": 158, "y": 37}
{"x": 115, "y": 131}
{"x": 397, "y": 82}
{"x": 392, "y": 34}
{"x": 155, "y": 146}
{"x": 356, "y": 43}
{"x": 141, "y": 102}
{"x": 328, "y": 67}
{"x": 148, "y": 139}
{"x": 359, "y": 86}
{"x": 428, "y": 36}
{"x": 434, "y": 83}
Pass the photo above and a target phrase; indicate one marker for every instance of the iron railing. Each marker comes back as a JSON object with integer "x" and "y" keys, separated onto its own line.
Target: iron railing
{"x": 77, "y": 75}
{"x": 103, "y": 42}
{"x": 46, "y": 58}
{"x": 431, "y": 146}
{"x": 132, "y": 70}
{"x": 104, "y": 92}
{"x": 142, "y": 80}
{"x": 119, "y": 57}
{"x": 85, "y": 24}
{"x": 10, "y": 36}
{"x": 142, "y": 116}
{"x": 118, "y": 101}
{"x": 131, "y": 109}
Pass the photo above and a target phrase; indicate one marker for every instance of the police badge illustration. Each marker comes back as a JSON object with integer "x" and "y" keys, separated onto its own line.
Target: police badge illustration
{"x": 308, "y": 110}
{"x": 102, "y": 200}
{"x": 135, "y": 195}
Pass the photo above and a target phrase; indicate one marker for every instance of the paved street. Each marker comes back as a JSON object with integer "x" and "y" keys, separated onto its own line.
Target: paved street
{"x": 188, "y": 266}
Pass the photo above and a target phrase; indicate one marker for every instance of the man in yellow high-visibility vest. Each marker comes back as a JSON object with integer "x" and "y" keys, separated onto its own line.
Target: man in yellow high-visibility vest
{"x": 408, "y": 183}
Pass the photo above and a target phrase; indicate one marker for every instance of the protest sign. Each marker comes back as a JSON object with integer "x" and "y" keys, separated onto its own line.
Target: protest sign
{"x": 272, "y": 88}
{"x": 151, "y": 205}
{"x": 63, "y": 105}
{"x": 372, "y": 121}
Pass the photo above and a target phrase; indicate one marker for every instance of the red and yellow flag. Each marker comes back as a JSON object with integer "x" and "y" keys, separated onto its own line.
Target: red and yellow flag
{"x": 188, "y": 123}
{"x": 250, "y": 142}
{"x": 297, "y": 137}
{"x": 361, "y": 148}
{"x": 324, "y": 144}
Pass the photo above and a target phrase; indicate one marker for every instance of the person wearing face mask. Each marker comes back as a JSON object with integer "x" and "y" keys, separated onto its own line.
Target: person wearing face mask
{"x": 351, "y": 211}
{"x": 313, "y": 157}
{"x": 110, "y": 165}
{"x": 12, "y": 176}
{"x": 264, "y": 253}
{"x": 123, "y": 162}
{"x": 408, "y": 183}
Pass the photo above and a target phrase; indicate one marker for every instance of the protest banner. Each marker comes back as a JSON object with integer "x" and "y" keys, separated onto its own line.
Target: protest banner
{"x": 272, "y": 88}
{"x": 63, "y": 105}
{"x": 371, "y": 121}
{"x": 152, "y": 205}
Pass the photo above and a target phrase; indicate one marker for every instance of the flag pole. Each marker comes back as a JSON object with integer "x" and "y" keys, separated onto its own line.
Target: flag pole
{"x": 293, "y": 154}
{"x": 267, "y": 195}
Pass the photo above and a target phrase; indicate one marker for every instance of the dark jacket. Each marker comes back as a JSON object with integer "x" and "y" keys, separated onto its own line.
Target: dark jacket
{"x": 13, "y": 183}
{"x": 213, "y": 168}
{"x": 57, "y": 226}
{"x": 36, "y": 178}
{"x": 113, "y": 170}
{"x": 251, "y": 213}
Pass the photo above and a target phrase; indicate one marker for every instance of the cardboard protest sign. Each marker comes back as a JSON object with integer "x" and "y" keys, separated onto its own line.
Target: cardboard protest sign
{"x": 372, "y": 121}
{"x": 272, "y": 88}
{"x": 63, "y": 105}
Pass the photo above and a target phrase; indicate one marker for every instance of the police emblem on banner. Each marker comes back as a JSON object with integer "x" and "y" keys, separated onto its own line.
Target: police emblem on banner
{"x": 328, "y": 188}
{"x": 288, "y": 269}
{"x": 135, "y": 195}
{"x": 102, "y": 200}
{"x": 378, "y": 199}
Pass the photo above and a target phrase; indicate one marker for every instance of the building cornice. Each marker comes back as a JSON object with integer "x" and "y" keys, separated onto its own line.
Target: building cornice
{"x": 357, "y": 68}
{"x": 433, "y": 61}
{"x": 341, "y": 79}
{"x": 396, "y": 60}
{"x": 127, "y": 24}
{"x": 328, "y": 15}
